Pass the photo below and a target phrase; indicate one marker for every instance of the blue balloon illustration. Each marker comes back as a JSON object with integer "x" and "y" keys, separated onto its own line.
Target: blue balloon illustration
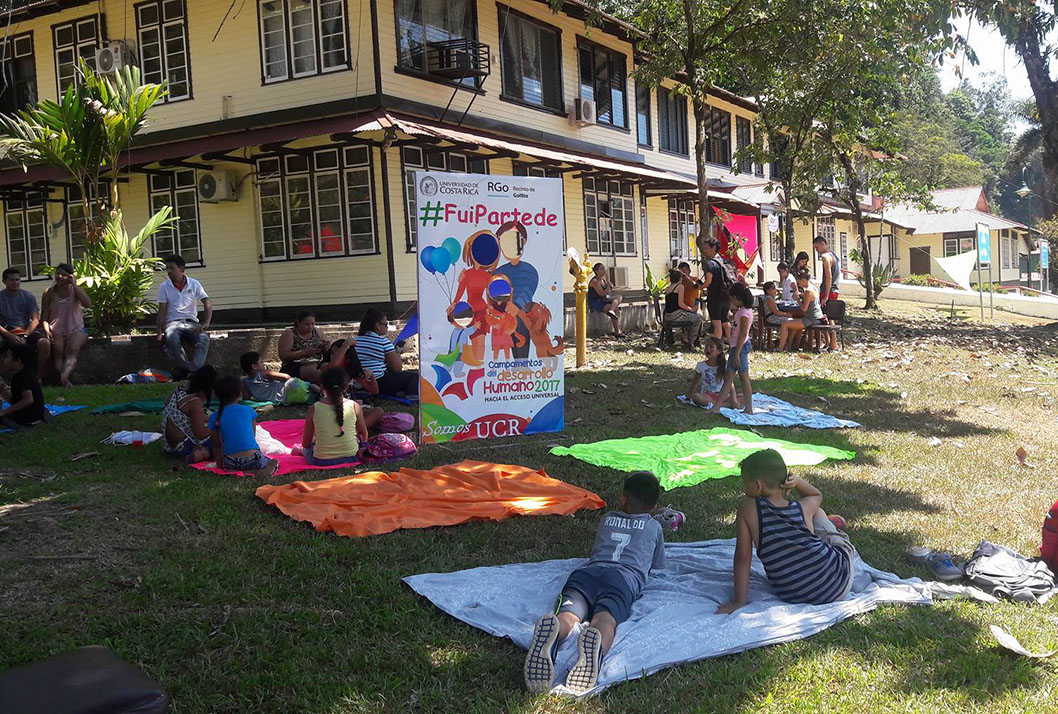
{"x": 426, "y": 256}
{"x": 440, "y": 260}
{"x": 452, "y": 247}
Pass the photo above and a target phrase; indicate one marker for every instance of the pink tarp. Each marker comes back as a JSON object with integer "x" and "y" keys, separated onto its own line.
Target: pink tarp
{"x": 287, "y": 432}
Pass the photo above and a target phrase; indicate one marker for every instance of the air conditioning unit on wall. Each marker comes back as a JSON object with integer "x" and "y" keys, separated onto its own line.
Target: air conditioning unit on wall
{"x": 582, "y": 113}
{"x": 112, "y": 58}
{"x": 217, "y": 186}
{"x": 619, "y": 276}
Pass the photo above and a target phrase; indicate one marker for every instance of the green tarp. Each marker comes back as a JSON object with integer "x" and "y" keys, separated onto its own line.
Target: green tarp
{"x": 694, "y": 456}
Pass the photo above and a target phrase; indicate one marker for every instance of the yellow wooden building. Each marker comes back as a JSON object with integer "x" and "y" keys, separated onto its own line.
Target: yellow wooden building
{"x": 292, "y": 129}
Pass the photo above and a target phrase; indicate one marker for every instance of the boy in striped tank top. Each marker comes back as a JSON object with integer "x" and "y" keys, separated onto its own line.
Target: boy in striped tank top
{"x": 811, "y": 564}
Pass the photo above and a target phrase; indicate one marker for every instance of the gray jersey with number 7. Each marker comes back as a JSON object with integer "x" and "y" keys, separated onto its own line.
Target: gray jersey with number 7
{"x": 633, "y": 543}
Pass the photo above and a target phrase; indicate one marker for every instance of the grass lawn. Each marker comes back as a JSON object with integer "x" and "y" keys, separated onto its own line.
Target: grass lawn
{"x": 236, "y": 608}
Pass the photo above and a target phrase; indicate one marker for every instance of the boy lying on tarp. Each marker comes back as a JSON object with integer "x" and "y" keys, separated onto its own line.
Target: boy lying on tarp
{"x": 628, "y": 545}
{"x": 804, "y": 565}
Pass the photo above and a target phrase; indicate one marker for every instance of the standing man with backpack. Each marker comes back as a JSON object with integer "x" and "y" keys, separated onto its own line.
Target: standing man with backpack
{"x": 718, "y": 281}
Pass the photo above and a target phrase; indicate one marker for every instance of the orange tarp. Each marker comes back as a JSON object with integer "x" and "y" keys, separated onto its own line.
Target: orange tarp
{"x": 374, "y": 502}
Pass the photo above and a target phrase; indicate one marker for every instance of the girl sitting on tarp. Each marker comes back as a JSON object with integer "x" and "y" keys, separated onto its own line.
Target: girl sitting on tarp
{"x": 334, "y": 426}
{"x": 184, "y": 426}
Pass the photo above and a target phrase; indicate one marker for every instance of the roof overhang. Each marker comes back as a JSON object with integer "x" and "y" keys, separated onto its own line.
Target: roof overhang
{"x": 349, "y": 127}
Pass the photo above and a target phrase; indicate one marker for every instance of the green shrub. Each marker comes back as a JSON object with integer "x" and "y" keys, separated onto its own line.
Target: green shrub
{"x": 920, "y": 280}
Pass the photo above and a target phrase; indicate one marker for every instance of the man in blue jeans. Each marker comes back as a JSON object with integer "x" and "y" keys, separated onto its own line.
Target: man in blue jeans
{"x": 178, "y": 316}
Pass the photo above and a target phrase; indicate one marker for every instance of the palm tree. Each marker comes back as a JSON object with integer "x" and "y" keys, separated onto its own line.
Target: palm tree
{"x": 83, "y": 135}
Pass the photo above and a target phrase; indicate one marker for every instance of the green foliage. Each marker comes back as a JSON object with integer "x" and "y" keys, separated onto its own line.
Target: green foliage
{"x": 919, "y": 280}
{"x": 117, "y": 274}
{"x": 655, "y": 285}
{"x": 881, "y": 274}
{"x": 84, "y": 133}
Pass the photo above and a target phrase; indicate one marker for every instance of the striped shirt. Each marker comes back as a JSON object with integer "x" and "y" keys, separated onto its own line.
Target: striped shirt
{"x": 372, "y": 349}
{"x": 801, "y": 567}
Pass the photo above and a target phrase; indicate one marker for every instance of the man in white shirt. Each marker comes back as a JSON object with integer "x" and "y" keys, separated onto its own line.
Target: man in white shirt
{"x": 178, "y": 315}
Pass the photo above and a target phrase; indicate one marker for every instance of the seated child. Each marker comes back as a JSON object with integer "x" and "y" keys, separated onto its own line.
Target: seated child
{"x": 774, "y": 313}
{"x": 707, "y": 385}
{"x": 232, "y": 425}
{"x": 804, "y": 564}
{"x": 628, "y": 544}
{"x": 265, "y": 385}
{"x": 185, "y": 423}
{"x": 26, "y": 400}
{"x": 326, "y": 440}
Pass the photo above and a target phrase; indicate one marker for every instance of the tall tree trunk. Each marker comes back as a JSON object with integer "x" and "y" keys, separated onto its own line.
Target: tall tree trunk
{"x": 1026, "y": 43}
{"x": 790, "y": 244}
{"x": 865, "y": 252}
{"x": 705, "y": 222}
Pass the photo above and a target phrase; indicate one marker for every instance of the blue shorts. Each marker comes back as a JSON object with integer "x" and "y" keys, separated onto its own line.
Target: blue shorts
{"x": 743, "y": 358}
{"x": 596, "y": 587}
{"x": 253, "y": 462}
{"x": 312, "y": 460}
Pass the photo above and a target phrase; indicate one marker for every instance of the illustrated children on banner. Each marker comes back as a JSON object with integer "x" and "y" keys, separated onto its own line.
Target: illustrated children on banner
{"x": 490, "y": 297}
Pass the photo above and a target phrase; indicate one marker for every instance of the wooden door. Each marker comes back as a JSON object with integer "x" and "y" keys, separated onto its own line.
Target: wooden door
{"x": 920, "y": 260}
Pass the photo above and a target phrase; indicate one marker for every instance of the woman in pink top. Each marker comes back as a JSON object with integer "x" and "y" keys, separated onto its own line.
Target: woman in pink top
{"x": 738, "y": 356}
{"x": 63, "y": 310}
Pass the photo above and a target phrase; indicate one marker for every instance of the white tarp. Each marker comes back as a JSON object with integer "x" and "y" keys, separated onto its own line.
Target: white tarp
{"x": 674, "y": 620}
{"x": 959, "y": 267}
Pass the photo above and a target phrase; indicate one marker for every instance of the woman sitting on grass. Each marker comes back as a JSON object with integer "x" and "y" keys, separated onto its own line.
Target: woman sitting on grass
{"x": 232, "y": 426}
{"x": 334, "y": 426}
{"x": 184, "y": 427}
{"x": 381, "y": 357}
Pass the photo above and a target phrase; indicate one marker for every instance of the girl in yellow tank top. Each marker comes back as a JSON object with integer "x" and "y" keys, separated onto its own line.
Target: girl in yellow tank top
{"x": 334, "y": 426}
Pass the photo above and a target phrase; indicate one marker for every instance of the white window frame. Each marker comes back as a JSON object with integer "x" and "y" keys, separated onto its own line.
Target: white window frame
{"x": 75, "y": 47}
{"x": 285, "y": 10}
{"x": 282, "y": 170}
{"x": 20, "y": 47}
{"x": 25, "y": 208}
{"x": 622, "y": 214}
{"x": 681, "y": 217}
{"x": 160, "y": 26}
{"x": 436, "y": 160}
{"x": 170, "y": 196}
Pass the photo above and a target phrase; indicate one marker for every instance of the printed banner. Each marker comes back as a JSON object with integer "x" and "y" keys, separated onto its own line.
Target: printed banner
{"x": 490, "y": 305}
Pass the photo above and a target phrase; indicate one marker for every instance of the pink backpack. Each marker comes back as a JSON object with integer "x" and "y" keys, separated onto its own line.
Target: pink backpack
{"x": 396, "y": 422}
{"x": 387, "y": 447}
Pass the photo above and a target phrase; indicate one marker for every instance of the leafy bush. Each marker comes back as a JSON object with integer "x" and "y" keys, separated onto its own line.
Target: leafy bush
{"x": 882, "y": 273}
{"x": 655, "y": 286}
{"x": 117, "y": 274}
{"x": 920, "y": 280}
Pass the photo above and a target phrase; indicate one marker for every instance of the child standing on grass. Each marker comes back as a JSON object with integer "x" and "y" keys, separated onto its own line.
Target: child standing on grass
{"x": 265, "y": 385}
{"x": 25, "y": 399}
{"x": 334, "y": 426}
{"x": 707, "y": 385}
{"x": 232, "y": 425}
{"x": 738, "y": 356}
{"x": 629, "y": 543}
{"x": 805, "y": 564}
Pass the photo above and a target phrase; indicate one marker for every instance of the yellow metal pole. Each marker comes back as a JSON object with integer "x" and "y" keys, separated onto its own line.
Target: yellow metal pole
{"x": 580, "y": 274}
